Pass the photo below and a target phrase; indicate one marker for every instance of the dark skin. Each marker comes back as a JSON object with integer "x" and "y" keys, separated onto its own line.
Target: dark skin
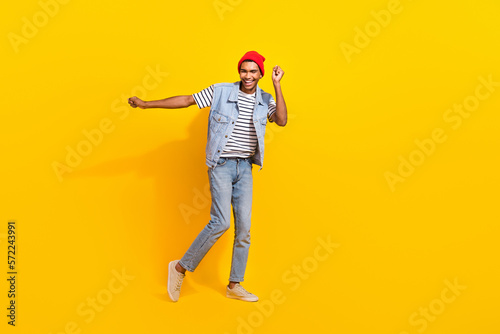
{"x": 250, "y": 75}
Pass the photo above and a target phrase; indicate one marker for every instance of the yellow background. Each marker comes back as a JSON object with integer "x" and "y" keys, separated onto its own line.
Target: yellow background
{"x": 121, "y": 207}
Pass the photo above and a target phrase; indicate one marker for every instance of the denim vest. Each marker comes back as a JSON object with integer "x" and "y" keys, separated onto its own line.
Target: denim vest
{"x": 222, "y": 119}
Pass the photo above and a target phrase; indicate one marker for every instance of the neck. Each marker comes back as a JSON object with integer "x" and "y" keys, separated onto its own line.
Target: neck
{"x": 247, "y": 91}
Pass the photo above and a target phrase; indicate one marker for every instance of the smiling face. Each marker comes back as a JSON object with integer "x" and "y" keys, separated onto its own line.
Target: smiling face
{"x": 250, "y": 76}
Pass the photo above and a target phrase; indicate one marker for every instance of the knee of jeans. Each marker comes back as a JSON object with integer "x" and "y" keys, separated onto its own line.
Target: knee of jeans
{"x": 219, "y": 225}
{"x": 242, "y": 235}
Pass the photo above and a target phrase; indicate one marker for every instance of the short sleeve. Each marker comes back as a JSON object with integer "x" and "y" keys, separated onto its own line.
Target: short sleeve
{"x": 204, "y": 98}
{"x": 272, "y": 108}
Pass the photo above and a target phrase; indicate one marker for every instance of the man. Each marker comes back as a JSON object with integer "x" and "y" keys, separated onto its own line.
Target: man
{"x": 237, "y": 122}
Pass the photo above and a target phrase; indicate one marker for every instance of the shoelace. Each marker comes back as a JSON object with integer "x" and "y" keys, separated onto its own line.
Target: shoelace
{"x": 242, "y": 289}
{"x": 179, "y": 283}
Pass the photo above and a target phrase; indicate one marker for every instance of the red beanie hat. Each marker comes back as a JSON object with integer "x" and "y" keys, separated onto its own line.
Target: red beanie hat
{"x": 254, "y": 56}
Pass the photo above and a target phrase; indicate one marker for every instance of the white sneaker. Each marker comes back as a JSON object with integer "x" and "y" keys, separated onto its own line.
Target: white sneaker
{"x": 239, "y": 292}
{"x": 175, "y": 279}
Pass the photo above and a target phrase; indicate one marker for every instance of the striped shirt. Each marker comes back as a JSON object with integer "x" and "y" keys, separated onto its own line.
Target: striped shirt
{"x": 243, "y": 140}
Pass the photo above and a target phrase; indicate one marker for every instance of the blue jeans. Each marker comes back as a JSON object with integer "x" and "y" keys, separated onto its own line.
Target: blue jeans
{"x": 231, "y": 182}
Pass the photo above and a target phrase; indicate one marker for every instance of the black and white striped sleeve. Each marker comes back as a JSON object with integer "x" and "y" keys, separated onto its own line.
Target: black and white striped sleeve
{"x": 204, "y": 98}
{"x": 272, "y": 109}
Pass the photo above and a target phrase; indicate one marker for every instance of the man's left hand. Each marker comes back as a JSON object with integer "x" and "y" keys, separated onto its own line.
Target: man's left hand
{"x": 277, "y": 74}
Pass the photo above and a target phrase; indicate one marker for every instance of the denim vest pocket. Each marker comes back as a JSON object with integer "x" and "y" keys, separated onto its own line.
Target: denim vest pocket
{"x": 262, "y": 123}
{"x": 217, "y": 121}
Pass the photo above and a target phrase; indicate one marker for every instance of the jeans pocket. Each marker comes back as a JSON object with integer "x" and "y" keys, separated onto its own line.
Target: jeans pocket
{"x": 221, "y": 162}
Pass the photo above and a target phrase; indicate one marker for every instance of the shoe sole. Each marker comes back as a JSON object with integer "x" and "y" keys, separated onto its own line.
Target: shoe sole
{"x": 170, "y": 268}
{"x": 243, "y": 299}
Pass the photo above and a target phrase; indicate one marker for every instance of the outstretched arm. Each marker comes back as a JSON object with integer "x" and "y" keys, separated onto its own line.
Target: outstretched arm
{"x": 281, "y": 114}
{"x": 181, "y": 101}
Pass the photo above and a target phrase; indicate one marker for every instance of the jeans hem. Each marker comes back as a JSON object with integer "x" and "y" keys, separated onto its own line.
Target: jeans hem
{"x": 236, "y": 280}
{"x": 186, "y": 267}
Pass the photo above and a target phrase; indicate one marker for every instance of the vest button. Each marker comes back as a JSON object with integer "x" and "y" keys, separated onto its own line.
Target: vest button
{"x": 219, "y": 119}
{"x": 233, "y": 122}
{"x": 226, "y": 136}
{"x": 218, "y": 151}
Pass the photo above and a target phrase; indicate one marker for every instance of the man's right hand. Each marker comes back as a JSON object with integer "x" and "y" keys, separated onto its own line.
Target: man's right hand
{"x": 136, "y": 102}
